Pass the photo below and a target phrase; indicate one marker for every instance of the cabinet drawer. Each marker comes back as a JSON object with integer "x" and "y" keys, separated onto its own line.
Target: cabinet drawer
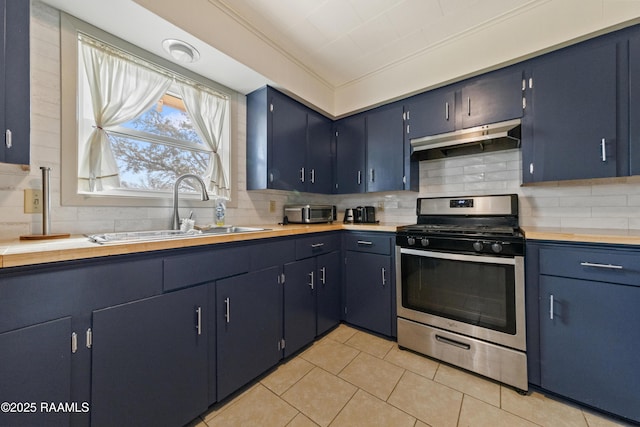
{"x": 318, "y": 244}
{"x": 205, "y": 266}
{"x": 265, "y": 255}
{"x": 592, "y": 264}
{"x": 377, "y": 244}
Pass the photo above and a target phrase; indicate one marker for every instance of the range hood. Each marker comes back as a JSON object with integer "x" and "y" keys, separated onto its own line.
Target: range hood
{"x": 492, "y": 137}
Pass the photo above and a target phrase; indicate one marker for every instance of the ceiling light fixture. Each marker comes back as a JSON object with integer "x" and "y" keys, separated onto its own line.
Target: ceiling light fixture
{"x": 181, "y": 51}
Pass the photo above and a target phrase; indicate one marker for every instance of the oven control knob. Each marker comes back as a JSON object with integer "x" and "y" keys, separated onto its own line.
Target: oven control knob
{"x": 478, "y": 245}
{"x": 496, "y": 247}
{"x": 424, "y": 242}
{"x": 411, "y": 240}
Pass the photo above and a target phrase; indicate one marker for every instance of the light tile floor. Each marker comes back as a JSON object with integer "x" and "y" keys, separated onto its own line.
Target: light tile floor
{"x": 352, "y": 378}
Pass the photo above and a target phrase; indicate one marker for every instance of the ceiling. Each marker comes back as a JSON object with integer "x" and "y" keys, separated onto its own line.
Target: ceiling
{"x": 342, "y": 41}
{"x": 345, "y": 55}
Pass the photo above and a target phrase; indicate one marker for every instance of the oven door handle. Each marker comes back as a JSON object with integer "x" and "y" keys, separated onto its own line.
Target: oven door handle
{"x": 460, "y": 257}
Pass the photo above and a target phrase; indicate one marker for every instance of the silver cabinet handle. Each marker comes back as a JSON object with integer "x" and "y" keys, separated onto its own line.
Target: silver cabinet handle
{"x": 597, "y": 265}
{"x": 551, "y": 307}
{"x": 199, "y": 320}
{"x": 302, "y": 174}
{"x": 227, "y": 310}
{"x": 468, "y": 106}
{"x": 8, "y": 140}
{"x": 446, "y": 111}
{"x": 311, "y": 280}
{"x": 323, "y": 277}
{"x": 373, "y": 175}
{"x": 359, "y": 177}
{"x": 317, "y": 245}
{"x": 384, "y": 276}
{"x": 365, "y": 243}
{"x": 313, "y": 176}
{"x": 74, "y": 342}
{"x": 89, "y": 338}
{"x": 603, "y": 146}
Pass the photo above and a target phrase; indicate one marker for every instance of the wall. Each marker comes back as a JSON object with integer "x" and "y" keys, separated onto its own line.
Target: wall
{"x": 591, "y": 204}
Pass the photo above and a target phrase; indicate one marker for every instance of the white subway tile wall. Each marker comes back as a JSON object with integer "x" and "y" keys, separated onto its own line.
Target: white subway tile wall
{"x": 613, "y": 203}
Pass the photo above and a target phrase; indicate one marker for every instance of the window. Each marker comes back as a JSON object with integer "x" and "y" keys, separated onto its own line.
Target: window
{"x": 140, "y": 123}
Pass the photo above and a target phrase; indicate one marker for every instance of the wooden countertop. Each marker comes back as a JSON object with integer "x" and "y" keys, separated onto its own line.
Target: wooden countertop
{"x": 584, "y": 235}
{"x": 24, "y": 252}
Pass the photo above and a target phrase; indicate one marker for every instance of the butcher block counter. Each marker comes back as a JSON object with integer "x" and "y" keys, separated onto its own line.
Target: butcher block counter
{"x": 17, "y": 252}
{"x": 583, "y": 235}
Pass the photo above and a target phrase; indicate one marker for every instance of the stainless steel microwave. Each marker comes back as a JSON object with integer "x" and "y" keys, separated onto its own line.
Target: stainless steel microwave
{"x": 309, "y": 214}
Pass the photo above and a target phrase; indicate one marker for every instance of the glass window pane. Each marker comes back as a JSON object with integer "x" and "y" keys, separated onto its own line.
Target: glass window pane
{"x": 153, "y": 166}
{"x": 167, "y": 118}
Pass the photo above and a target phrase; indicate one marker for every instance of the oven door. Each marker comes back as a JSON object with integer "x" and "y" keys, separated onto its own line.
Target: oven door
{"x": 480, "y": 296}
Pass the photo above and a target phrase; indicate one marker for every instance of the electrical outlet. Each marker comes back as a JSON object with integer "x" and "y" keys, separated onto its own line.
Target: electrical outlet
{"x": 32, "y": 200}
{"x": 272, "y": 206}
{"x": 380, "y": 206}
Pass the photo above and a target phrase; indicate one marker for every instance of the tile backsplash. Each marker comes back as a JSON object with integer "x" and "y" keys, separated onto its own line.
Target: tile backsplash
{"x": 613, "y": 203}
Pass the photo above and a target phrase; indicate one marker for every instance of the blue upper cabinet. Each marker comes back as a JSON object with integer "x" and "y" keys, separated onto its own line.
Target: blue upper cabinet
{"x": 574, "y": 128}
{"x": 288, "y": 144}
{"x": 350, "y": 157}
{"x": 490, "y": 98}
{"x": 14, "y": 81}
{"x": 634, "y": 105}
{"x": 372, "y": 154}
{"x": 385, "y": 153}
{"x": 431, "y": 113}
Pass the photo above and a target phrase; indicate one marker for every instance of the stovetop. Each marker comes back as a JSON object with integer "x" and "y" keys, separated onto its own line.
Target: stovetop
{"x": 476, "y": 224}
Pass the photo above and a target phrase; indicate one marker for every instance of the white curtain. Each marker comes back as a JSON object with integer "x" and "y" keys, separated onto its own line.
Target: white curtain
{"x": 207, "y": 112}
{"x": 120, "y": 90}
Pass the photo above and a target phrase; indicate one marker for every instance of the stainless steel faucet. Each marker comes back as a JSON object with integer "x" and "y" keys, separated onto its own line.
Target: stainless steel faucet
{"x": 175, "y": 224}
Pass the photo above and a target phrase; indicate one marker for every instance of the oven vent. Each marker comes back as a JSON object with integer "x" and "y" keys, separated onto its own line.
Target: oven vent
{"x": 476, "y": 140}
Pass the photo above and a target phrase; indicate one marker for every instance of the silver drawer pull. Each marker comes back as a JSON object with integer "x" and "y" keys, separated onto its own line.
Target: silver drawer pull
{"x": 551, "y": 307}
{"x": 227, "y": 310}
{"x": 597, "y": 265}
{"x": 384, "y": 276}
{"x": 454, "y": 343}
{"x": 317, "y": 245}
{"x": 199, "y": 320}
{"x": 365, "y": 243}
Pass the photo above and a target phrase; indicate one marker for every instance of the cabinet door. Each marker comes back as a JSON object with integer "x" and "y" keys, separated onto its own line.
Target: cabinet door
{"x": 319, "y": 169}
{"x": 588, "y": 348}
{"x": 299, "y": 304}
{"x": 35, "y": 366}
{"x": 328, "y": 291}
{"x": 574, "y": 115}
{"x": 149, "y": 361}
{"x": 492, "y": 98}
{"x": 431, "y": 113}
{"x": 385, "y": 151}
{"x": 634, "y": 105}
{"x": 368, "y": 291}
{"x": 14, "y": 81}
{"x": 249, "y": 326}
{"x": 288, "y": 143}
{"x": 350, "y": 159}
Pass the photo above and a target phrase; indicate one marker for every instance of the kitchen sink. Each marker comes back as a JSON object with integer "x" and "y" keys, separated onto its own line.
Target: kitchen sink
{"x": 140, "y": 236}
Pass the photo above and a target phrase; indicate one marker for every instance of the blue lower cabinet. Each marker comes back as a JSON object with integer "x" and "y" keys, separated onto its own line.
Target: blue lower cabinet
{"x": 590, "y": 342}
{"x": 368, "y": 302}
{"x": 328, "y": 291}
{"x": 299, "y": 304}
{"x": 249, "y": 327}
{"x": 149, "y": 361}
{"x": 35, "y": 369}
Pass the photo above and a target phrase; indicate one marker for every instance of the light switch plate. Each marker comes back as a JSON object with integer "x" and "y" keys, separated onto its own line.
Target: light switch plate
{"x": 32, "y": 200}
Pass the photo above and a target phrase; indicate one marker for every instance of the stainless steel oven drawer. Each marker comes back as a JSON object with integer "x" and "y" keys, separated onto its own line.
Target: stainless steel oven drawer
{"x": 500, "y": 363}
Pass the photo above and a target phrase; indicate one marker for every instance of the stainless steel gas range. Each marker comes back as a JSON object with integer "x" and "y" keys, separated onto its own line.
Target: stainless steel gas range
{"x": 460, "y": 292}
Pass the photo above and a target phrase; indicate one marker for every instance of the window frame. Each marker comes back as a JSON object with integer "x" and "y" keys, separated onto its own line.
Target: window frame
{"x": 70, "y": 69}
